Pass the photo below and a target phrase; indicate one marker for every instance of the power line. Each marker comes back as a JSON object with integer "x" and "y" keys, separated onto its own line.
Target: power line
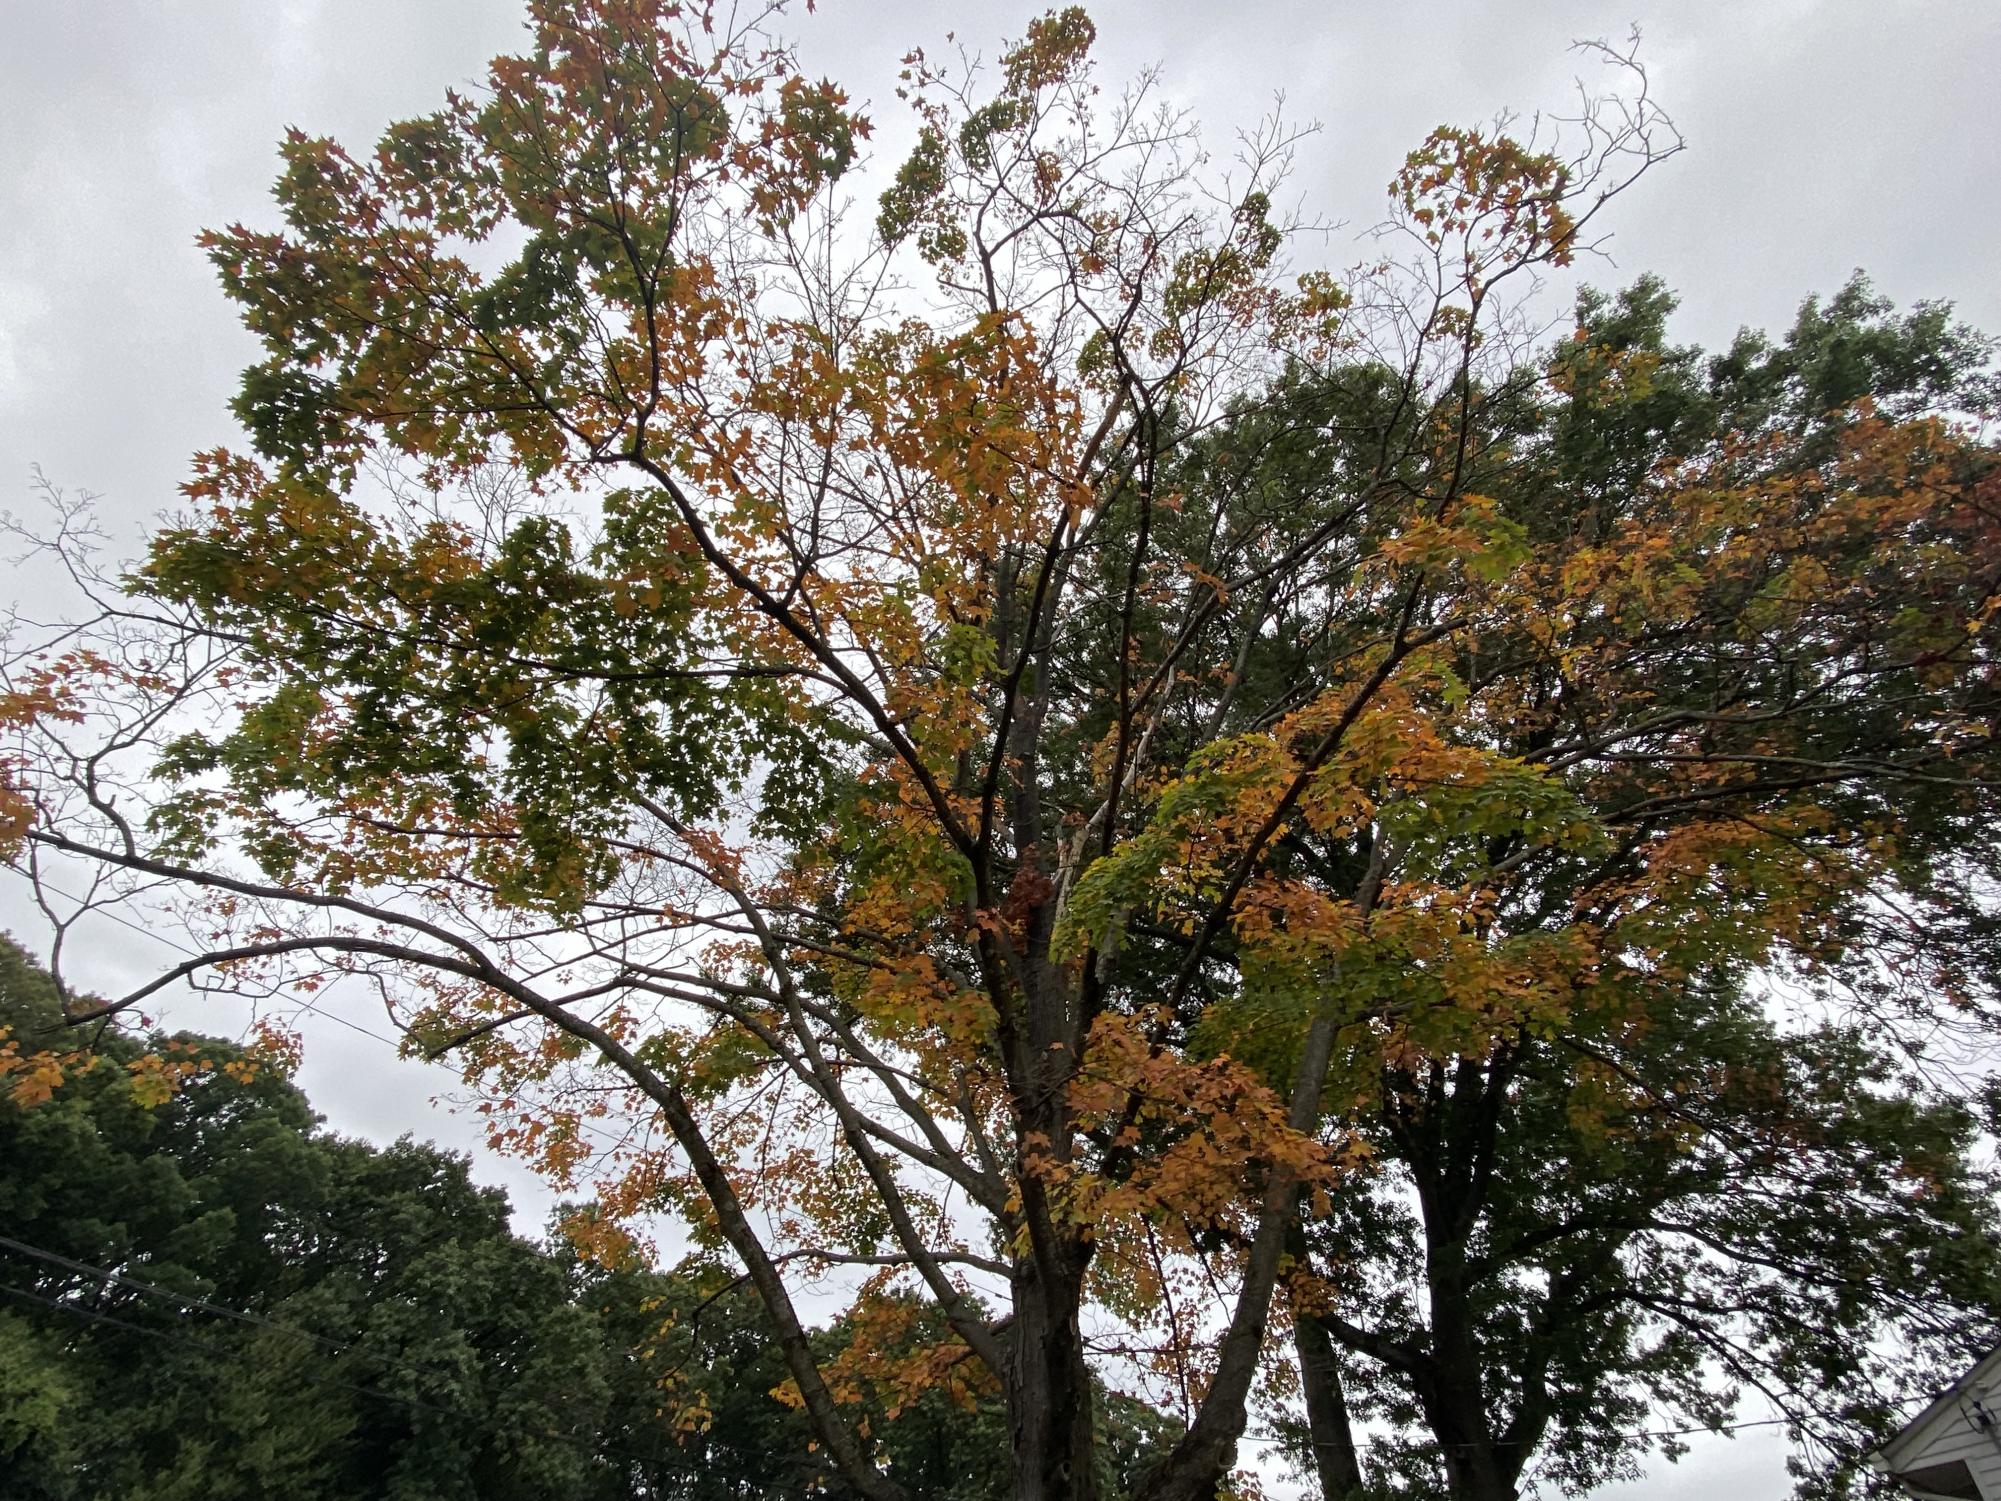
{"x": 1638, "y": 1433}
{"x": 1278, "y": 1439}
{"x": 120, "y": 1279}
{"x": 208, "y": 1348}
{"x": 242, "y": 1315}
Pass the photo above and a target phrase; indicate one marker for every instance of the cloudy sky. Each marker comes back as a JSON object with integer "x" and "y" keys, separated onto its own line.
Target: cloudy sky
{"x": 1823, "y": 135}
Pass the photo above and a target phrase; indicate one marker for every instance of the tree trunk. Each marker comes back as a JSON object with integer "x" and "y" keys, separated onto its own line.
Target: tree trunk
{"x": 1049, "y": 1387}
{"x": 1327, "y": 1424}
{"x": 1455, "y": 1409}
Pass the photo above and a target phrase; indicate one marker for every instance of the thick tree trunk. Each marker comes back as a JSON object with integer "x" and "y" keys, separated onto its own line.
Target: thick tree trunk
{"x": 1049, "y": 1388}
{"x": 1456, "y": 1413}
{"x": 1452, "y": 1176}
{"x": 1453, "y": 1394}
{"x": 1048, "y": 1378}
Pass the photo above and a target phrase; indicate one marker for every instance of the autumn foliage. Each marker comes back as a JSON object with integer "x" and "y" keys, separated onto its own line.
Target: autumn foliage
{"x": 995, "y": 749}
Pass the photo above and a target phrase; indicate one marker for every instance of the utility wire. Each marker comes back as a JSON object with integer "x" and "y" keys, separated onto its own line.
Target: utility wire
{"x": 1638, "y": 1433}
{"x": 120, "y": 1279}
{"x": 208, "y": 1348}
{"x": 1367, "y": 1441}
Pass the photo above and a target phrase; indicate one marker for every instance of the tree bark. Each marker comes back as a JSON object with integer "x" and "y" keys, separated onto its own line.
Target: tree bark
{"x": 1049, "y": 1386}
{"x": 1201, "y": 1462}
{"x": 1327, "y": 1422}
{"x": 1455, "y": 1410}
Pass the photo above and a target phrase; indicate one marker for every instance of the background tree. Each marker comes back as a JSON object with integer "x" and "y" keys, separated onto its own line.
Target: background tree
{"x": 1640, "y": 1192}
{"x": 208, "y": 1295}
{"x": 837, "y": 735}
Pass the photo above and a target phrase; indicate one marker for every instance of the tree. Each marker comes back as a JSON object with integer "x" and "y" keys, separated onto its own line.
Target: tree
{"x": 1636, "y": 1194}
{"x": 236, "y": 1304}
{"x": 843, "y": 737}
{"x": 944, "y": 1437}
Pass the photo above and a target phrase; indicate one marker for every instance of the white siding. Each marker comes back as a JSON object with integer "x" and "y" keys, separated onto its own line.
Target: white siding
{"x": 1953, "y": 1432}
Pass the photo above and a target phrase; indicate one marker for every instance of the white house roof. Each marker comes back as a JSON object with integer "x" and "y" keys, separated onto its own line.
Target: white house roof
{"x": 1952, "y": 1449}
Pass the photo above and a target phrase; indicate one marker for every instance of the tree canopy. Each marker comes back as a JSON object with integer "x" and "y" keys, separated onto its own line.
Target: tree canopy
{"x": 1034, "y": 756}
{"x": 1633, "y": 1201}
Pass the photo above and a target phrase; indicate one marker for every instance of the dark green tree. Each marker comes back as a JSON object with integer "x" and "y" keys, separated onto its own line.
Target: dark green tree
{"x": 1723, "y": 1170}
{"x": 1162, "y": 856}
{"x": 246, "y": 1306}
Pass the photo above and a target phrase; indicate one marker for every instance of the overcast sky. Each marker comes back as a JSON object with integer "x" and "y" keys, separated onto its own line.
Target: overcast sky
{"x": 1823, "y": 135}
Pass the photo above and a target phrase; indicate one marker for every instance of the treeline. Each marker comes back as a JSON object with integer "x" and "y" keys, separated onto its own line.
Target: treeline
{"x": 213, "y": 1297}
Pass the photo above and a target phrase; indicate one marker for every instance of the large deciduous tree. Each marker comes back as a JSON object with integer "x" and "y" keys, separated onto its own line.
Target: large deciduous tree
{"x": 841, "y": 701}
{"x": 1713, "y": 1132}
